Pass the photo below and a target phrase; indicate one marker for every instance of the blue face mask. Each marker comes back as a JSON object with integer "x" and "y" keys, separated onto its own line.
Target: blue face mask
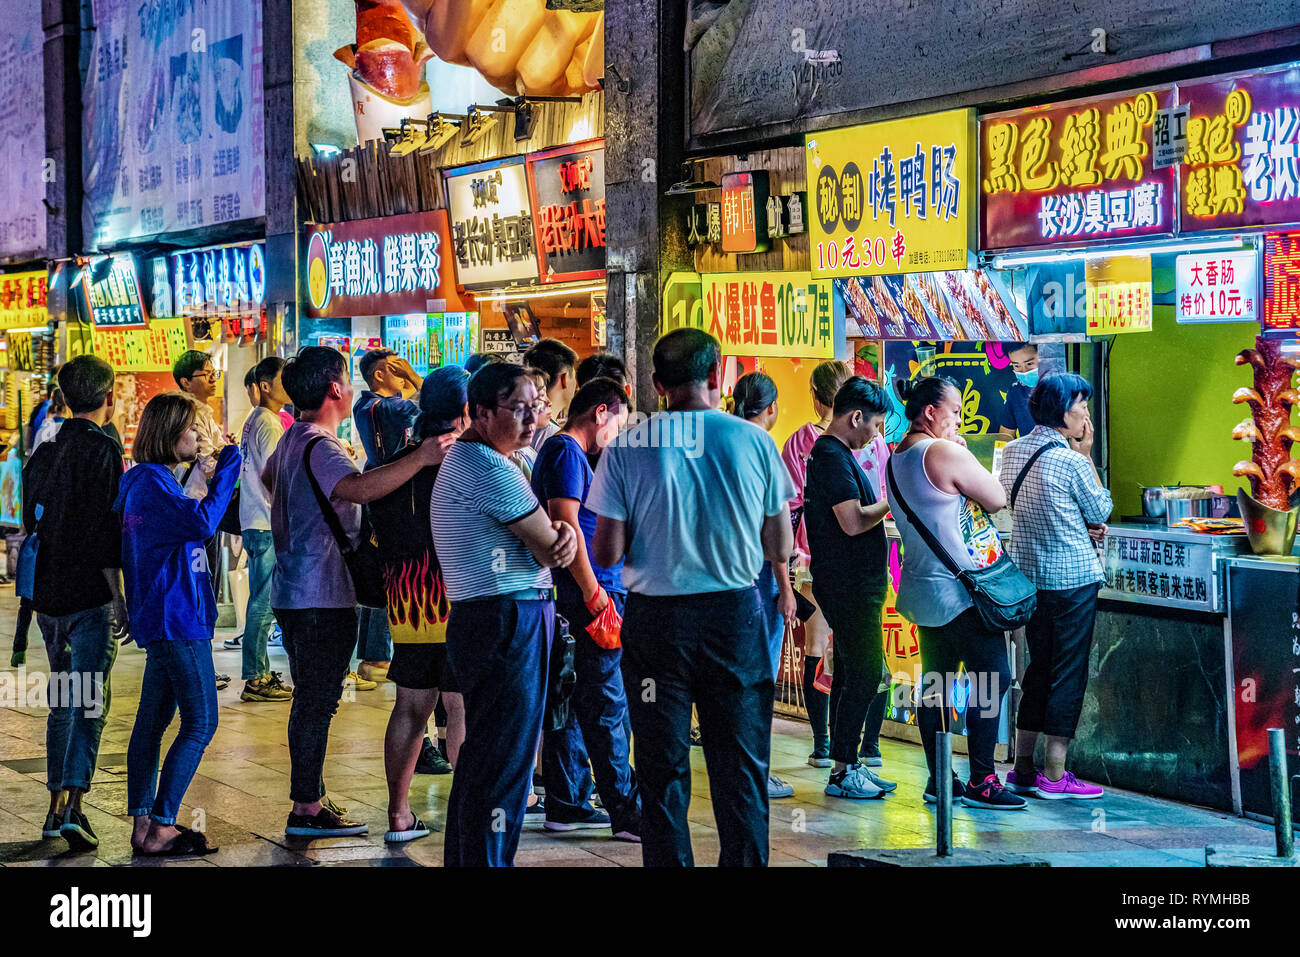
{"x": 1028, "y": 379}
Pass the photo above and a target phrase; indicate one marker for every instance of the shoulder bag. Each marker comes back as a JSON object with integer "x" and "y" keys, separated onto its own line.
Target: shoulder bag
{"x": 1004, "y": 598}
{"x": 361, "y": 559}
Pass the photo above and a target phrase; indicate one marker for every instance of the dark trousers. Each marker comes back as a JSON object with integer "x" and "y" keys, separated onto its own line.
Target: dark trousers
{"x": 177, "y": 675}
{"x": 498, "y": 649}
{"x": 710, "y": 649}
{"x": 859, "y": 655}
{"x": 596, "y": 730}
{"x": 964, "y": 640}
{"x": 1059, "y": 637}
{"x": 319, "y": 643}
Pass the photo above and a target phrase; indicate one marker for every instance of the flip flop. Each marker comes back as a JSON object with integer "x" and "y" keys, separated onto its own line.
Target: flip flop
{"x": 417, "y": 830}
{"x": 187, "y": 843}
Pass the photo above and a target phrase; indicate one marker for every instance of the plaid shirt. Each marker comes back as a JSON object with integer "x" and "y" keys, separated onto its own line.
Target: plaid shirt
{"x": 1057, "y": 500}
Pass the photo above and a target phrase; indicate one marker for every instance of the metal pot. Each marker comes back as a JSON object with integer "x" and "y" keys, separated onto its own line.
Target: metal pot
{"x": 1153, "y": 500}
{"x": 1177, "y": 509}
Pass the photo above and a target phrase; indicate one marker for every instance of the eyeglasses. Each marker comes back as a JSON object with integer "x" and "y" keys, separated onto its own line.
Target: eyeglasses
{"x": 213, "y": 374}
{"x": 522, "y": 410}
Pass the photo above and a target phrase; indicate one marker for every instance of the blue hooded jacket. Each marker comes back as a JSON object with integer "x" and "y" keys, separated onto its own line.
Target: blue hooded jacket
{"x": 164, "y": 562}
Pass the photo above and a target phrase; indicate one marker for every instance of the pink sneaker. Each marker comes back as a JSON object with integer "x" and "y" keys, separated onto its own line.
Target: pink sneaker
{"x": 1018, "y": 785}
{"x": 1068, "y": 787}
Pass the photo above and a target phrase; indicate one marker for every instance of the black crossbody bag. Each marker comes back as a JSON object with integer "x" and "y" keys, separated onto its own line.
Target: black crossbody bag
{"x": 362, "y": 559}
{"x": 1004, "y": 598}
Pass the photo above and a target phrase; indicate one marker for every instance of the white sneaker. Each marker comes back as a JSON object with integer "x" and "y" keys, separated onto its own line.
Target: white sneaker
{"x": 853, "y": 783}
{"x": 877, "y": 780}
{"x": 362, "y": 684}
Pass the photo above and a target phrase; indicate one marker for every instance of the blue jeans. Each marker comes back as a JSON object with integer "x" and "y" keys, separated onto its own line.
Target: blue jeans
{"x": 713, "y": 649}
{"x": 597, "y": 727}
{"x": 498, "y": 650}
{"x": 177, "y": 674}
{"x": 257, "y": 619}
{"x": 81, "y": 651}
{"x": 769, "y": 592}
{"x": 374, "y": 643}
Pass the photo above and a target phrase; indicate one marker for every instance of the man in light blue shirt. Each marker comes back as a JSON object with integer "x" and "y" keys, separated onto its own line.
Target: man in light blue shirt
{"x": 695, "y": 501}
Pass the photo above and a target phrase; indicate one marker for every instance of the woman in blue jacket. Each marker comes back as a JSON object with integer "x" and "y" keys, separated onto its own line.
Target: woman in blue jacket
{"x": 173, "y": 612}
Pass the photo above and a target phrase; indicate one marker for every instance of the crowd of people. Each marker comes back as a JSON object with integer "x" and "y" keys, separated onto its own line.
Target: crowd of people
{"x": 563, "y": 591}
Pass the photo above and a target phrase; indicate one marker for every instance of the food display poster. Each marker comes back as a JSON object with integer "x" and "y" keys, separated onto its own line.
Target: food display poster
{"x": 957, "y": 305}
{"x": 1217, "y": 287}
{"x": 892, "y": 197}
{"x": 1075, "y": 172}
{"x": 173, "y": 118}
{"x": 981, "y": 370}
{"x": 408, "y": 336}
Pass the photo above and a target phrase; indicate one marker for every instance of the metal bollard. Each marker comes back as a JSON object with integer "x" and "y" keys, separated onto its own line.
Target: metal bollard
{"x": 1278, "y": 785}
{"x": 943, "y": 792}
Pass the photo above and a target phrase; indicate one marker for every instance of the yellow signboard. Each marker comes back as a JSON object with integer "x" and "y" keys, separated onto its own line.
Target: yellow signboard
{"x": 22, "y": 299}
{"x": 783, "y": 314}
{"x": 893, "y": 197}
{"x": 1118, "y": 290}
{"x": 142, "y": 350}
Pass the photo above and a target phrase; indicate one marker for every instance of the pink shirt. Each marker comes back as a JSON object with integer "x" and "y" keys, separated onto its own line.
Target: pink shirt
{"x": 872, "y": 458}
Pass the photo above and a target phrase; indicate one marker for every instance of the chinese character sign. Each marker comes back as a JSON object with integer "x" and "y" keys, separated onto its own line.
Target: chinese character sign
{"x": 1217, "y": 287}
{"x": 1118, "y": 295}
{"x": 492, "y": 235}
{"x": 374, "y": 267}
{"x": 22, "y": 299}
{"x": 153, "y": 349}
{"x": 892, "y": 197}
{"x": 567, "y": 188}
{"x": 1282, "y": 281}
{"x": 111, "y": 293}
{"x": 219, "y": 281}
{"x": 788, "y": 314}
{"x": 1177, "y": 574}
{"x": 1242, "y": 165}
{"x": 745, "y": 212}
{"x": 1073, "y": 173}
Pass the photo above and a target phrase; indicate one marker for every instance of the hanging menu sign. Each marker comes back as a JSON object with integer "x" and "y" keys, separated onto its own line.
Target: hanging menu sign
{"x": 567, "y": 187}
{"x": 1217, "y": 287}
{"x": 1075, "y": 172}
{"x": 376, "y": 267}
{"x": 112, "y": 293}
{"x": 1242, "y": 165}
{"x": 493, "y": 242}
{"x": 892, "y": 197}
{"x": 744, "y": 212}
{"x": 787, "y": 314}
{"x": 1118, "y": 295}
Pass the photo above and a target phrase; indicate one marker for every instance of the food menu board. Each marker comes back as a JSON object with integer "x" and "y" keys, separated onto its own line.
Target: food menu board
{"x": 958, "y": 305}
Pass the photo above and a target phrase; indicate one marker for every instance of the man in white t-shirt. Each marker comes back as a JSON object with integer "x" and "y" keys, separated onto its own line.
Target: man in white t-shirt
{"x": 496, "y": 546}
{"x": 262, "y": 432}
{"x": 695, "y": 501}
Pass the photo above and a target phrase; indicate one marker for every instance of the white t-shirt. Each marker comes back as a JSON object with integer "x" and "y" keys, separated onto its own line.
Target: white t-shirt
{"x": 261, "y": 433}
{"x": 478, "y": 493}
{"x": 694, "y": 489}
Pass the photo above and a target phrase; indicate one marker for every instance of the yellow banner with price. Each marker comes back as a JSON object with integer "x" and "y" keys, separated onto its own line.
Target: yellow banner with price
{"x": 770, "y": 314}
{"x": 135, "y": 350}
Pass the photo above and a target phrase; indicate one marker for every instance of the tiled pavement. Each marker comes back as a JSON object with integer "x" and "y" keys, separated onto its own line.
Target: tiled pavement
{"x": 240, "y": 797}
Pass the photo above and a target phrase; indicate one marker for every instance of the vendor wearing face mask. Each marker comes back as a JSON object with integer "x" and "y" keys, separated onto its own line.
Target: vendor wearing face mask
{"x": 1016, "y": 420}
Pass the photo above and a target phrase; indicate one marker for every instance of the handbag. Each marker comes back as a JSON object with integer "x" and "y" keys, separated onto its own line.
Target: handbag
{"x": 362, "y": 559}
{"x": 25, "y": 580}
{"x": 1003, "y": 597}
{"x": 230, "y": 523}
{"x": 561, "y": 676}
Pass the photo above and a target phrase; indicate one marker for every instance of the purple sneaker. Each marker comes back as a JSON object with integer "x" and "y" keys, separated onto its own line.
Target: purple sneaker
{"x": 1068, "y": 787}
{"x": 1018, "y": 785}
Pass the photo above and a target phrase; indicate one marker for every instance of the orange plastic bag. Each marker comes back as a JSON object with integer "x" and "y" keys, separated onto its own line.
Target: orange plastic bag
{"x": 606, "y": 630}
{"x": 825, "y": 672}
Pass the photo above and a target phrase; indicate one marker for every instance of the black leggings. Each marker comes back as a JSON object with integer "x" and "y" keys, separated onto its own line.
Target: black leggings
{"x": 859, "y": 655}
{"x": 963, "y": 641}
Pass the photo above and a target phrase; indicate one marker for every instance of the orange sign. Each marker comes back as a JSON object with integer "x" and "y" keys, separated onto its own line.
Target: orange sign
{"x": 743, "y": 196}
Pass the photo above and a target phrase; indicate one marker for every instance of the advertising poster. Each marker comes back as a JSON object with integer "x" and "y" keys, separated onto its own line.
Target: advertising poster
{"x": 958, "y": 305}
{"x": 787, "y": 314}
{"x": 11, "y": 488}
{"x": 568, "y": 193}
{"x": 491, "y": 223}
{"x": 173, "y": 118}
{"x": 22, "y": 131}
{"x": 981, "y": 370}
{"x": 892, "y": 197}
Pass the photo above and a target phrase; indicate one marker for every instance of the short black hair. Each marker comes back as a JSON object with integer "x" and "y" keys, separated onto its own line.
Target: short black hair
{"x": 1054, "y": 395}
{"x": 753, "y": 393}
{"x": 191, "y": 362}
{"x": 684, "y": 357}
{"x": 859, "y": 394}
{"x": 250, "y": 377}
{"x": 599, "y": 391}
{"x": 268, "y": 369}
{"x": 551, "y": 358}
{"x": 86, "y": 382}
{"x": 920, "y": 394}
{"x": 1011, "y": 347}
{"x": 492, "y": 383}
{"x": 442, "y": 400}
{"x": 368, "y": 362}
{"x": 478, "y": 360}
{"x": 308, "y": 375}
{"x": 604, "y": 365}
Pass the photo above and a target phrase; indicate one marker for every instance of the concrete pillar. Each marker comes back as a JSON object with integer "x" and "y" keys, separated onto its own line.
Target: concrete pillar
{"x": 281, "y": 185}
{"x": 61, "y": 21}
